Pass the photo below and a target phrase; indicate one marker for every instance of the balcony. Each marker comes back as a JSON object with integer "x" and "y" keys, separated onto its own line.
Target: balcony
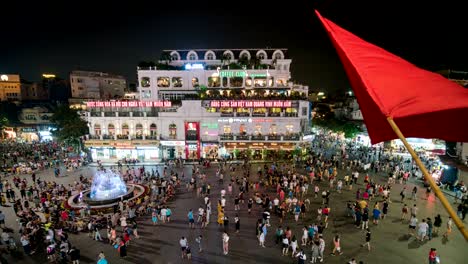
{"x": 258, "y": 137}
{"x": 243, "y": 114}
{"x": 123, "y": 137}
{"x": 292, "y": 137}
{"x": 226, "y": 137}
{"x": 274, "y": 114}
{"x": 107, "y": 136}
{"x": 274, "y": 137}
{"x": 140, "y": 137}
{"x": 151, "y": 137}
{"x": 245, "y": 137}
{"x": 225, "y": 114}
{"x": 290, "y": 114}
{"x": 259, "y": 114}
{"x": 242, "y": 137}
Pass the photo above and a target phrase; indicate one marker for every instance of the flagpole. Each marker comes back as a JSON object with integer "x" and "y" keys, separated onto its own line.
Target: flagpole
{"x": 429, "y": 179}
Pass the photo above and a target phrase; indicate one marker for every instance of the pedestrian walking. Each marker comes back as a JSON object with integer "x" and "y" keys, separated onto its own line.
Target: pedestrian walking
{"x": 368, "y": 239}
{"x": 225, "y": 239}
{"x": 336, "y": 245}
{"x": 199, "y": 240}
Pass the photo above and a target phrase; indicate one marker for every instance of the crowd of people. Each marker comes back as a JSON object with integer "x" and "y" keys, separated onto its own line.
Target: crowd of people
{"x": 282, "y": 196}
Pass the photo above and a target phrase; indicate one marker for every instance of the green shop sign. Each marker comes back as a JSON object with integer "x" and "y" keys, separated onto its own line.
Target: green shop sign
{"x": 230, "y": 74}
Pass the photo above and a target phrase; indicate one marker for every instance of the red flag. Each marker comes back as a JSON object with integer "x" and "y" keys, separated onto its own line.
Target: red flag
{"x": 423, "y": 104}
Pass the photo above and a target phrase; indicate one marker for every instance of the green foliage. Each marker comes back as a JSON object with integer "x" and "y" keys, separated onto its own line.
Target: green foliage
{"x": 70, "y": 126}
{"x": 350, "y": 130}
{"x": 3, "y": 123}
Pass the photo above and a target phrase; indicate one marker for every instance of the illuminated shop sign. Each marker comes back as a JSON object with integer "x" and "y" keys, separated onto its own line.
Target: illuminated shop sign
{"x": 173, "y": 143}
{"x": 244, "y": 120}
{"x": 117, "y": 104}
{"x": 241, "y": 74}
{"x": 210, "y": 125}
{"x": 264, "y": 104}
{"x": 194, "y": 66}
{"x": 235, "y": 120}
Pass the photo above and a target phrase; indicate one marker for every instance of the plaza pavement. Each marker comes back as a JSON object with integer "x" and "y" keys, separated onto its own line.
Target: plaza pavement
{"x": 159, "y": 244}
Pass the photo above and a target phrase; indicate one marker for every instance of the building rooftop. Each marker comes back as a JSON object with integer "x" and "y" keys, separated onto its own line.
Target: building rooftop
{"x": 96, "y": 74}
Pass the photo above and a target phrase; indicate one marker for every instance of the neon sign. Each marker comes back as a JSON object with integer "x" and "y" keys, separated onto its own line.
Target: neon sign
{"x": 241, "y": 74}
{"x": 254, "y": 104}
{"x": 118, "y": 104}
{"x": 194, "y": 66}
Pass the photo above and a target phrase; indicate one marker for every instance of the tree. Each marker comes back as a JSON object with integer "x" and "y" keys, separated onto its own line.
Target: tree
{"x": 3, "y": 124}
{"x": 165, "y": 57}
{"x": 70, "y": 126}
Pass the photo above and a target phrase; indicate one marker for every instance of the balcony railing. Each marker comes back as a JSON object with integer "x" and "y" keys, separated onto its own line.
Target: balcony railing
{"x": 258, "y": 137}
{"x": 227, "y": 114}
{"x": 243, "y": 114}
{"x": 226, "y": 137}
{"x": 258, "y": 114}
{"x": 290, "y": 137}
{"x": 122, "y": 137}
{"x": 274, "y": 137}
{"x": 242, "y": 137}
{"x": 290, "y": 114}
{"x": 152, "y": 137}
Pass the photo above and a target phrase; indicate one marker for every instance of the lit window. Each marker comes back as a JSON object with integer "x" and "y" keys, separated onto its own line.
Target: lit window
{"x": 195, "y": 82}
{"x": 145, "y": 82}
{"x": 227, "y": 129}
{"x": 177, "y": 81}
{"x": 163, "y": 82}
{"x": 258, "y": 129}
{"x": 214, "y": 82}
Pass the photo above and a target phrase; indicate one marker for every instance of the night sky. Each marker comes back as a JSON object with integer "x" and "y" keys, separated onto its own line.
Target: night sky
{"x": 109, "y": 36}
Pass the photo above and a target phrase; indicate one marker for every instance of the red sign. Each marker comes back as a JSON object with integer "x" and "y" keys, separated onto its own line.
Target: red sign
{"x": 250, "y": 104}
{"x": 117, "y": 104}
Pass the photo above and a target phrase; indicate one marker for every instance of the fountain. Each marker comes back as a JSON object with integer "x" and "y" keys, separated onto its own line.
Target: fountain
{"x": 107, "y": 189}
{"x": 107, "y": 185}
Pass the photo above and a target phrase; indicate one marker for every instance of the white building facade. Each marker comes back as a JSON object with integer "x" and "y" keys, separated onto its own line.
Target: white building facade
{"x": 191, "y": 111}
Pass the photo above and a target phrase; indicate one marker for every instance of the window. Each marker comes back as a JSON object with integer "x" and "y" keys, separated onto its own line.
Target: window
{"x": 195, "y": 82}
{"x": 225, "y": 82}
{"x": 248, "y": 82}
{"x": 192, "y": 57}
{"x": 177, "y": 81}
{"x": 285, "y": 67}
{"x": 125, "y": 129}
{"x": 281, "y": 82}
{"x": 214, "y": 82}
{"x": 271, "y": 81}
{"x": 153, "y": 130}
{"x": 242, "y": 129}
{"x": 304, "y": 111}
{"x": 260, "y": 82}
{"x": 146, "y": 93}
{"x": 210, "y": 56}
{"x": 163, "y": 82}
{"x": 261, "y": 56}
{"x": 172, "y": 131}
{"x": 78, "y": 80}
{"x": 258, "y": 129}
{"x": 111, "y": 129}
{"x": 175, "y": 57}
{"x": 236, "y": 81}
{"x": 139, "y": 129}
{"x": 278, "y": 56}
{"x": 289, "y": 129}
{"x": 145, "y": 82}
{"x": 227, "y": 129}
{"x": 273, "y": 128}
{"x": 97, "y": 129}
